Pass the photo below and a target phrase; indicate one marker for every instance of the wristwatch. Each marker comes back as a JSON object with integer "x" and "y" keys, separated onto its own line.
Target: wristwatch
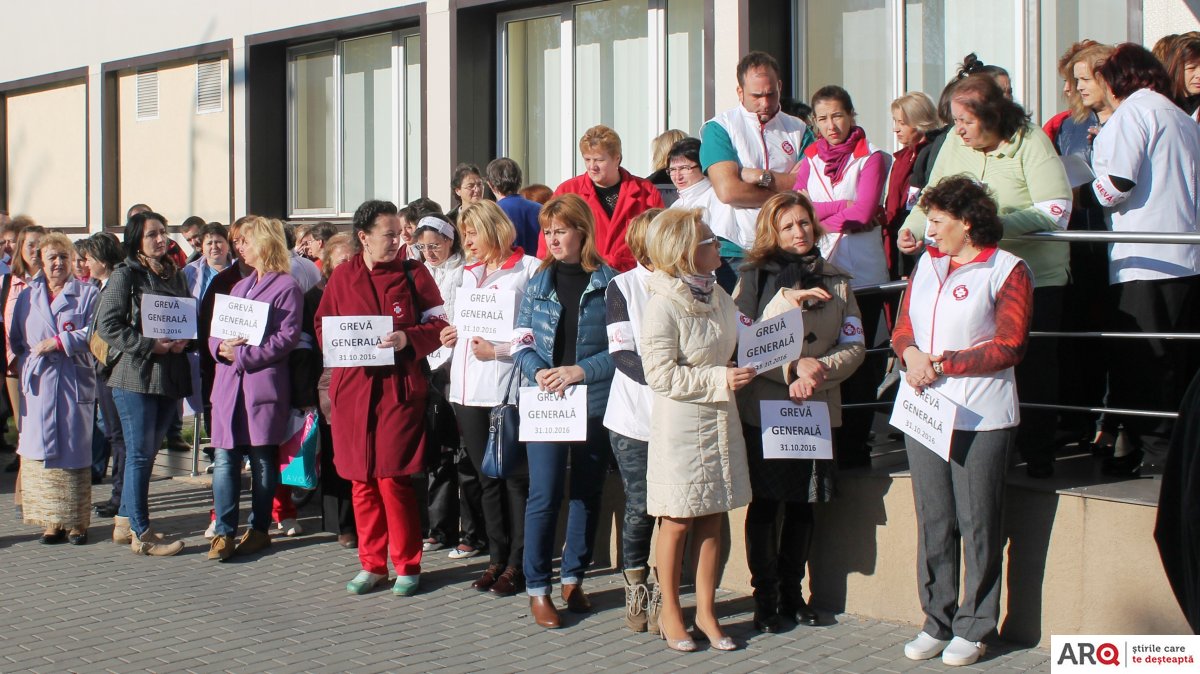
{"x": 937, "y": 368}
{"x": 766, "y": 180}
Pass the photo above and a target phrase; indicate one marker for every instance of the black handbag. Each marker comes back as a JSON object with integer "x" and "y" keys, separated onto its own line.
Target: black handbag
{"x": 505, "y": 454}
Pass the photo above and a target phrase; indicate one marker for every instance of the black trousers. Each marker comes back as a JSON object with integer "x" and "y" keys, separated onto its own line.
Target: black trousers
{"x": 1152, "y": 374}
{"x": 503, "y": 500}
{"x": 455, "y": 500}
{"x": 1037, "y": 378}
{"x": 337, "y": 509}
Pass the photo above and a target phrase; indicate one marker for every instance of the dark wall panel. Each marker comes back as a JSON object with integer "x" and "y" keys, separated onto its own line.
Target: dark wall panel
{"x": 475, "y": 70}
{"x": 771, "y": 31}
{"x": 266, "y": 130}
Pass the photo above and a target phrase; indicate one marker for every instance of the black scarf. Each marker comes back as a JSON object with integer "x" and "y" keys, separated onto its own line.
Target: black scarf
{"x": 798, "y": 272}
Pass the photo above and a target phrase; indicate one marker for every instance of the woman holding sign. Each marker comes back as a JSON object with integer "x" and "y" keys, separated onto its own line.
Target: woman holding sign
{"x": 378, "y": 411}
{"x": 561, "y": 341}
{"x": 482, "y": 375}
{"x": 251, "y": 393}
{"x": 962, "y": 328}
{"x": 696, "y": 466}
{"x": 48, "y": 334}
{"x": 785, "y": 271}
{"x": 150, "y": 376}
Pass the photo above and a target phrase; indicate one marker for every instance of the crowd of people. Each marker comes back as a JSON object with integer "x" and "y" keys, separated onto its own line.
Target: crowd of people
{"x": 639, "y": 299}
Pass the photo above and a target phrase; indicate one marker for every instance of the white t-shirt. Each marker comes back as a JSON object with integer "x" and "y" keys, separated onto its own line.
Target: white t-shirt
{"x": 1156, "y": 145}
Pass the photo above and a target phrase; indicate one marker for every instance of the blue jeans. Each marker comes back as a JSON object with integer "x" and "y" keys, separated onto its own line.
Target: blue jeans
{"x": 227, "y": 486}
{"x": 547, "y": 473}
{"x": 144, "y": 419}
{"x": 111, "y": 419}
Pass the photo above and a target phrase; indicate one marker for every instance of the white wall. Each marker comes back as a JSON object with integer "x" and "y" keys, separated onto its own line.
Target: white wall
{"x": 47, "y": 155}
{"x": 1164, "y": 17}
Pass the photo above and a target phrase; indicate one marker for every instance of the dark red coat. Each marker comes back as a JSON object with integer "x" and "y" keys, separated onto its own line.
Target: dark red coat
{"x": 636, "y": 195}
{"x": 378, "y": 413}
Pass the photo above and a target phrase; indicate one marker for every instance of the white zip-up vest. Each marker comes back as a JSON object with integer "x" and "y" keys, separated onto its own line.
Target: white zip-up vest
{"x": 727, "y": 222}
{"x": 629, "y": 402}
{"x": 955, "y": 310}
{"x": 477, "y": 383}
{"x": 859, "y": 254}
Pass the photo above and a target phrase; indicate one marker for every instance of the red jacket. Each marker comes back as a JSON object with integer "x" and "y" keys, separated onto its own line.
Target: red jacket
{"x": 636, "y": 196}
{"x": 378, "y": 413}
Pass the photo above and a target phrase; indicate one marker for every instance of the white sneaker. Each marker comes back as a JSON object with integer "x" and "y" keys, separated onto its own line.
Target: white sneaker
{"x": 290, "y": 527}
{"x": 962, "y": 652}
{"x": 924, "y": 647}
{"x": 211, "y": 532}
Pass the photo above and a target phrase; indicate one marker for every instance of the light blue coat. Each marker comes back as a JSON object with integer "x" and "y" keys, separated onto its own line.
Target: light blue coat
{"x": 58, "y": 390}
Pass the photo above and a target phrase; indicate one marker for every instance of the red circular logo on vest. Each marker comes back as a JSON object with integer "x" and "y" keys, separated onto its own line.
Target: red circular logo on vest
{"x": 746, "y": 320}
{"x": 788, "y": 148}
{"x": 960, "y": 292}
{"x": 1056, "y": 210}
{"x": 849, "y": 330}
{"x": 397, "y": 309}
{"x": 527, "y": 338}
{"x": 68, "y": 326}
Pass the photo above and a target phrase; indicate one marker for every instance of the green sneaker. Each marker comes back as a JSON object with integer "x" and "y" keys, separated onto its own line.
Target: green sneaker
{"x": 364, "y": 582}
{"x": 406, "y": 586}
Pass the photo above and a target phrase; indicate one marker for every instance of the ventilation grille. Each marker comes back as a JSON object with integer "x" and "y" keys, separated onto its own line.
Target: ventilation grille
{"x": 147, "y": 95}
{"x": 209, "y": 92}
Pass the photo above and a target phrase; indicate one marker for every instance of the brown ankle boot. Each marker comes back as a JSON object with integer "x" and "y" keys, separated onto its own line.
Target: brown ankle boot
{"x": 637, "y": 600}
{"x": 121, "y": 532}
{"x": 152, "y": 544}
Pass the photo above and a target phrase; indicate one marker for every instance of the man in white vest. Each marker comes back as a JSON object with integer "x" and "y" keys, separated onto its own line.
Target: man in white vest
{"x": 749, "y": 152}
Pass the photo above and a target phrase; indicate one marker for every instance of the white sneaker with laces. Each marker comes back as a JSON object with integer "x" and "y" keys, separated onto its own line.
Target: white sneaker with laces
{"x": 961, "y": 652}
{"x": 463, "y": 551}
{"x": 211, "y": 532}
{"x": 924, "y": 647}
{"x": 290, "y": 527}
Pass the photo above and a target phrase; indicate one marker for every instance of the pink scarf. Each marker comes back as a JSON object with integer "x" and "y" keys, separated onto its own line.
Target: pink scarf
{"x": 837, "y": 156}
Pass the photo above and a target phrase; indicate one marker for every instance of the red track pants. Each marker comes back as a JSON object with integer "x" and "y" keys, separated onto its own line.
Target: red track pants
{"x": 385, "y": 510}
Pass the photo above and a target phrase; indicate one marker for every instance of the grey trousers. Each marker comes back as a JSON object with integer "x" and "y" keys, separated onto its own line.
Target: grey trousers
{"x": 963, "y": 498}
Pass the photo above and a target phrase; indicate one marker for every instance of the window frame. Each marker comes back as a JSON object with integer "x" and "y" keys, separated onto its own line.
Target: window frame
{"x": 656, "y": 90}
{"x": 400, "y": 146}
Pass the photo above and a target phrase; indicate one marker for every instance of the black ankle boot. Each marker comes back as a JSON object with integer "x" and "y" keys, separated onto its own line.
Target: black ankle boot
{"x": 793, "y": 558}
{"x": 766, "y": 615}
{"x": 761, "y": 554}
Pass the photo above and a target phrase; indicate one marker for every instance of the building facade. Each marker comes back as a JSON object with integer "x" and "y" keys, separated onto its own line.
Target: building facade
{"x": 303, "y": 109}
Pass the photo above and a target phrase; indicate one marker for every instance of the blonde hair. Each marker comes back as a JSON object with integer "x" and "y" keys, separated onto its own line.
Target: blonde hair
{"x": 918, "y": 111}
{"x": 603, "y": 138}
{"x": 492, "y": 227}
{"x": 1093, "y": 57}
{"x": 267, "y": 238}
{"x": 336, "y": 241}
{"x": 635, "y": 234}
{"x": 572, "y": 211}
{"x": 55, "y": 240}
{"x": 661, "y": 147}
{"x": 766, "y": 235}
{"x": 672, "y": 239}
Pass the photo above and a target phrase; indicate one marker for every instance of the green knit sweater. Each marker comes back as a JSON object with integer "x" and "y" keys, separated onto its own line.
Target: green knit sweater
{"x": 1023, "y": 171}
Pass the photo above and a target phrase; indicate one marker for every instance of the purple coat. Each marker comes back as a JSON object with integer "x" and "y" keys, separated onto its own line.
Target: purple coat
{"x": 58, "y": 390}
{"x": 251, "y": 396}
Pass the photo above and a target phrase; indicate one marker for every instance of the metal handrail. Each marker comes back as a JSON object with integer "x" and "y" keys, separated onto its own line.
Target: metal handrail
{"x": 1115, "y": 237}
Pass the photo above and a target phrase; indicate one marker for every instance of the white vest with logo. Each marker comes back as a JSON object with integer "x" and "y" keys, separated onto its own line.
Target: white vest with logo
{"x": 629, "y": 402}
{"x": 955, "y": 310}
{"x": 859, "y": 254}
{"x": 775, "y": 145}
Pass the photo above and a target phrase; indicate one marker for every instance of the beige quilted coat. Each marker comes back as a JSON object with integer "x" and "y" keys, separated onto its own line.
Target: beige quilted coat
{"x": 697, "y": 459}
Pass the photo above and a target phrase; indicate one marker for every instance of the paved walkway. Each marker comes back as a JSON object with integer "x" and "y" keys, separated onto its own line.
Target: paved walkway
{"x": 99, "y": 608}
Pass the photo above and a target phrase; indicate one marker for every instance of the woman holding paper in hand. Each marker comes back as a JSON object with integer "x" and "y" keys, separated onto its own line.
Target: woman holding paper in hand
{"x": 784, "y": 271}
{"x": 696, "y": 464}
{"x": 151, "y": 374}
{"x": 378, "y": 411}
{"x": 482, "y": 375}
{"x": 561, "y": 341}
{"x": 963, "y": 326}
{"x": 252, "y": 392}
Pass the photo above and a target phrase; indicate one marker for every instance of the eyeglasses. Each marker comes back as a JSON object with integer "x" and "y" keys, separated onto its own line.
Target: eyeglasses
{"x": 709, "y": 241}
{"x": 681, "y": 169}
{"x": 427, "y": 246}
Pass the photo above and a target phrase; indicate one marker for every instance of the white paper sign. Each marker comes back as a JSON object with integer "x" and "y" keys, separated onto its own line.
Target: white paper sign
{"x": 437, "y": 358}
{"x": 771, "y": 342}
{"x": 546, "y": 417}
{"x": 238, "y": 317}
{"x": 170, "y": 317}
{"x": 927, "y": 417}
{"x": 795, "y": 430}
{"x": 490, "y": 314}
{"x": 353, "y": 341}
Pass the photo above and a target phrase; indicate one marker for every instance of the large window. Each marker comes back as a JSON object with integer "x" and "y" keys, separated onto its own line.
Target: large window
{"x": 633, "y": 65}
{"x": 878, "y": 49}
{"x": 353, "y": 123}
